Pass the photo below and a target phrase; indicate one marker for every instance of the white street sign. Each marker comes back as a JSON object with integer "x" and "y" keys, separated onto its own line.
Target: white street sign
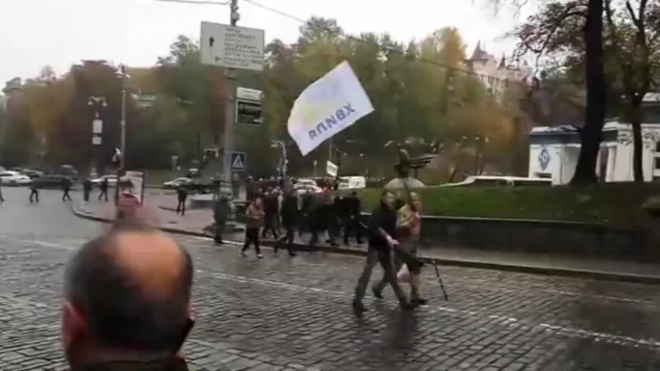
{"x": 96, "y": 140}
{"x": 232, "y": 47}
{"x": 97, "y": 126}
{"x": 331, "y": 169}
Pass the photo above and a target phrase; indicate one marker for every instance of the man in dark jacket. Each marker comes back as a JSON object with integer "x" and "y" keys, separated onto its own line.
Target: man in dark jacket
{"x": 104, "y": 189}
{"x": 182, "y": 196}
{"x": 116, "y": 316}
{"x": 320, "y": 219}
{"x": 271, "y": 210}
{"x": 382, "y": 242}
{"x": 87, "y": 189}
{"x": 220, "y": 214}
{"x": 66, "y": 187}
{"x": 1, "y": 199}
{"x": 352, "y": 221}
{"x": 34, "y": 190}
{"x": 290, "y": 215}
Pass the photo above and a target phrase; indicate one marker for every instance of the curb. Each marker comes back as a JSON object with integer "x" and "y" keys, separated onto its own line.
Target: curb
{"x": 514, "y": 268}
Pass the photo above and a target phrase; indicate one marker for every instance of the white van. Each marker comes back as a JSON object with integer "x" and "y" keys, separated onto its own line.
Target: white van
{"x": 352, "y": 182}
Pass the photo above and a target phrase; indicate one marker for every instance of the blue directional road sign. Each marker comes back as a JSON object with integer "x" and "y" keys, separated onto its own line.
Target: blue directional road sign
{"x": 238, "y": 161}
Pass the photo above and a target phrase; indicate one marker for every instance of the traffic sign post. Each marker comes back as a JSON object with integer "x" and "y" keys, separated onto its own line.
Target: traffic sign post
{"x": 231, "y": 47}
{"x": 238, "y": 161}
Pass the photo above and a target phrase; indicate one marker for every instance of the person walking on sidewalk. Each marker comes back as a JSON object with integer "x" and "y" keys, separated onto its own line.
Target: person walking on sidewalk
{"x": 253, "y": 223}
{"x": 182, "y": 196}
{"x": 409, "y": 228}
{"x": 66, "y": 187}
{"x": 34, "y": 191}
{"x": 271, "y": 210}
{"x": 290, "y": 215}
{"x": 104, "y": 189}
{"x": 220, "y": 213}
{"x": 382, "y": 242}
{"x": 352, "y": 223}
{"x": 87, "y": 189}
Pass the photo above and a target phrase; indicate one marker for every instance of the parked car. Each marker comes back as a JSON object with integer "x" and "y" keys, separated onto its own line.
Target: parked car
{"x": 307, "y": 189}
{"x": 32, "y": 173}
{"x": 112, "y": 180}
{"x": 175, "y": 183}
{"x": 14, "y": 178}
{"x": 51, "y": 180}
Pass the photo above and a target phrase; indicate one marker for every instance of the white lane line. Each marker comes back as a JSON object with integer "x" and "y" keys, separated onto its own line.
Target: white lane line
{"x": 500, "y": 320}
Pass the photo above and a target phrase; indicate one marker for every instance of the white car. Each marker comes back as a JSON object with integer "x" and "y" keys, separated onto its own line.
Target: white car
{"x": 112, "y": 180}
{"x": 14, "y": 178}
{"x": 307, "y": 189}
{"x": 175, "y": 183}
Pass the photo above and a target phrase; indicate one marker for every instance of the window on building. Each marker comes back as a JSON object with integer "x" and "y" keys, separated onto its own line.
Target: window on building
{"x": 657, "y": 163}
{"x": 657, "y": 147}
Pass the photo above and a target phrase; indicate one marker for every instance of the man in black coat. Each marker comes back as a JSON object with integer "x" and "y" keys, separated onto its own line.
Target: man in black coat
{"x": 382, "y": 242}
{"x": 182, "y": 196}
{"x": 87, "y": 189}
{"x": 104, "y": 189}
{"x": 352, "y": 221}
{"x": 1, "y": 199}
{"x": 66, "y": 187}
{"x": 290, "y": 215}
{"x": 271, "y": 210}
{"x": 320, "y": 217}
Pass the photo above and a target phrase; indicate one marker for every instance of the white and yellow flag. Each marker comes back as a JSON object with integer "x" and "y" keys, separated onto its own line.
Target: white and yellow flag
{"x": 328, "y": 106}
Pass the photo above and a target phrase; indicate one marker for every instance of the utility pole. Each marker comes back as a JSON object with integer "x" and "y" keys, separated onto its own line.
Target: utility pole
{"x": 230, "y": 73}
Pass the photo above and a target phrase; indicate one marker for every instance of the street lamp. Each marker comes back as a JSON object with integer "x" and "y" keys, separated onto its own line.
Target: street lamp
{"x": 275, "y": 144}
{"x": 123, "y": 75}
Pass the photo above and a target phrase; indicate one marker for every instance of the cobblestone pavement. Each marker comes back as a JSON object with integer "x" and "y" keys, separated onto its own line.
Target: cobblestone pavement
{"x": 293, "y": 314}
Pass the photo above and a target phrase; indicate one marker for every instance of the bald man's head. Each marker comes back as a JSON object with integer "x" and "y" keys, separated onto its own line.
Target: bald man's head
{"x": 133, "y": 286}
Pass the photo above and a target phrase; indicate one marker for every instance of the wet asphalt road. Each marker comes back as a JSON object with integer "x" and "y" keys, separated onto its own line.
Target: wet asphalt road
{"x": 294, "y": 314}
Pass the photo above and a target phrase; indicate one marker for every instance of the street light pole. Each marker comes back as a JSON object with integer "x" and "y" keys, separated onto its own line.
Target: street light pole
{"x": 122, "y": 68}
{"x": 230, "y": 73}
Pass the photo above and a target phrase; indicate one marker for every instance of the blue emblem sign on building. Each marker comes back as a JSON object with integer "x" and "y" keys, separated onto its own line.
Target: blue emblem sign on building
{"x": 238, "y": 161}
{"x": 544, "y": 158}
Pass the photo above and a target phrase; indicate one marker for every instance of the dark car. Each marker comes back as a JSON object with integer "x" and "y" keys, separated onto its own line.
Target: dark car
{"x": 51, "y": 181}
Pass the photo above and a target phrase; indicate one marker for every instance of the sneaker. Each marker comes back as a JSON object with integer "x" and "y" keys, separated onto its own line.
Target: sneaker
{"x": 358, "y": 308}
{"x": 260, "y": 256}
{"x": 378, "y": 294}
{"x": 243, "y": 254}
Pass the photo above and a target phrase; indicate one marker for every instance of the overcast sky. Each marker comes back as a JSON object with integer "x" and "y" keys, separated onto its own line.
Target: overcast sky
{"x": 58, "y": 33}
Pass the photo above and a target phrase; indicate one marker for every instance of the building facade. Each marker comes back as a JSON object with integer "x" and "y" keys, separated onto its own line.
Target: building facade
{"x": 496, "y": 74}
{"x": 554, "y": 151}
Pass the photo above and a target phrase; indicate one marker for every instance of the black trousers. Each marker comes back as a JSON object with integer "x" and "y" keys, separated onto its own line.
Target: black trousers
{"x": 34, "y": 195}
{"x": 1, "y": 199}
{"x": 270, "y": 224}
{"x": 289, "y": 236}
{"x": 86, "y": 193}
{"x": 65, "y": 196}
{"x": 104, "y": 193}
{"x": 252, "y": 237}
{"x": 352, "y": 226}
{"x": 181, "y": 207}
{"x": 219, "y": 226}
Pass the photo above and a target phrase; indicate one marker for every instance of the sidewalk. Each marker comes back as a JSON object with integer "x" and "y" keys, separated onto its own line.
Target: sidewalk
{"x": 195, "y": 223}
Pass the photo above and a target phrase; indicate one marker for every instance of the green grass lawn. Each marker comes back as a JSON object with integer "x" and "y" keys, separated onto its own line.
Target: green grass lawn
{"x": 617, "y": 204}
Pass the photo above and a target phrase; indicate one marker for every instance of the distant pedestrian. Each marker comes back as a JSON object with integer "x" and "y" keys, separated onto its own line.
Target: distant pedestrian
{"x": 87, "y": 189}
{"x": 271, "y": 210}
{"x": 320, "y": 219}
{"x": 352, "y": 224}
{"x": 290, "y": 215}
{"x": 34, "y": 191}
{"x": 66, "y": 187}
{"x": 220, "y": 214}
{"x": 182, "y": 196}
{"x": 254, "y": 222}
{"x": 1, "y": 199}
{"x": 104, "y": 189}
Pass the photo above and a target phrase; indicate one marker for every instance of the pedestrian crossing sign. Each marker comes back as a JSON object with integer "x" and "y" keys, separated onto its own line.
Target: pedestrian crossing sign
{"x": 238, "y": 161}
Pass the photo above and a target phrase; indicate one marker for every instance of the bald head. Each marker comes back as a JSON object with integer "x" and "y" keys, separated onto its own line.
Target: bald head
{"x": 133, "y": 286}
